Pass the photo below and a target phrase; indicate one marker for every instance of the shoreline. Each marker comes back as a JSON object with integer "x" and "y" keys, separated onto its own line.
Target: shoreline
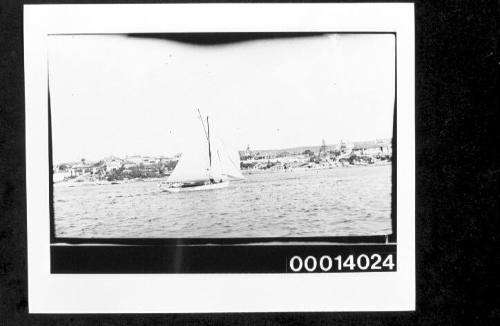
{"x": 74, "y": 183}
{"x": 299, "y": 169}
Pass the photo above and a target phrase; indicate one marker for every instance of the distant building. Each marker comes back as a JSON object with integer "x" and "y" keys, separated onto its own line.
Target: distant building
{"x": 247, "y": 154}
{"x": 345, "y": 147}
{"x": 112, "y": 163}
{"x": 385, "y": 146}
{"x": 61, "y": 172}
{"x": 136, "y": 159}
{"x": 80, "y": 169}
{"x": 127, "y": 165}
{"x": 322, "y": 149}
{"x": 150, "y": 160}
{"x": 378, "y": 147}
{"x": 144, "y": 160}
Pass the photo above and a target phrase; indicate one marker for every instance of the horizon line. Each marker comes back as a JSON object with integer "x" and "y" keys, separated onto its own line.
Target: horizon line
{"x": 239, "y": 150}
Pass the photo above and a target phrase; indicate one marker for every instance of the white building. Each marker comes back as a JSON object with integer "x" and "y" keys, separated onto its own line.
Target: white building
{"x": 113, "y": 163}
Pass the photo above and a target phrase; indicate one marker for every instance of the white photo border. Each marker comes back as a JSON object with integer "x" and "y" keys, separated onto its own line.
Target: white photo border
{"x": 167, "y": 293}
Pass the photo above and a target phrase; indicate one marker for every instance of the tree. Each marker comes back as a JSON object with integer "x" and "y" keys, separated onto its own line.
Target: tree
{"x": 170, "y": 165}
{"x": 63, "y": 167}
{"x": 100, "y": 163}
{"x": 353, "y": 158}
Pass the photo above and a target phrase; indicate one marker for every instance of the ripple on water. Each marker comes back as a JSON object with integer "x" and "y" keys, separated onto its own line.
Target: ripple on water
{"x": 353, "y": 201}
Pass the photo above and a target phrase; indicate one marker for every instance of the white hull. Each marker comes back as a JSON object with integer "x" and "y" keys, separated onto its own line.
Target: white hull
{"x": 220, "y": 185}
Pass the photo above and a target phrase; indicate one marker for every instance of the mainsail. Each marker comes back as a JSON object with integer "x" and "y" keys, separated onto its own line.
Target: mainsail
{"x": 202, "y": 161}
{"x": 193, "y": 166}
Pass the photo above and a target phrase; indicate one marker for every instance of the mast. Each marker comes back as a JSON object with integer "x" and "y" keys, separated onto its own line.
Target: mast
{"x": 208, "y": 138}
{"x": 207, "y": 135}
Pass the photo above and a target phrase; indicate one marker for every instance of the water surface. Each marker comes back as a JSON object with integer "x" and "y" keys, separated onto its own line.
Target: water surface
{"x": 331, "y": 202}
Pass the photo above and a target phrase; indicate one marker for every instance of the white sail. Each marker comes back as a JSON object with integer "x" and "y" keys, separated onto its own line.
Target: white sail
{"x": 229, "y": 161}
{"x": 193, "y": 165}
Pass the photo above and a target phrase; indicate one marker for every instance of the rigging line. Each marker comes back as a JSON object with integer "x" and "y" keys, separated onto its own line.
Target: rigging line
{"x": 230, "y": 159}
{"x": 208, "y": 138}
{"x": 218, "y": 154}
{"x": 203, "y": 124}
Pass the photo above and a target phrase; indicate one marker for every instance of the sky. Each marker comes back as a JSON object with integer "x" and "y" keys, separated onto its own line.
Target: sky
{"x": 121, "y": 95}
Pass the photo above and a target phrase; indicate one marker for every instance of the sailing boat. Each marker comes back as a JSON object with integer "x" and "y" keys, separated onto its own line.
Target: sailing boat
{"x": 204, "y": 166}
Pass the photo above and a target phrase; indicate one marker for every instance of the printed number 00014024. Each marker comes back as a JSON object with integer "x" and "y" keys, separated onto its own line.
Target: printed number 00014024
{"x": 362, "y": 262}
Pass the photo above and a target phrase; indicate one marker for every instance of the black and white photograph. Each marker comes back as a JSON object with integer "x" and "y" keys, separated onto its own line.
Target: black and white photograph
{"x": 194, "y": 165}
{"x": 238, "y": 163}
{"x": 217, "y": 135}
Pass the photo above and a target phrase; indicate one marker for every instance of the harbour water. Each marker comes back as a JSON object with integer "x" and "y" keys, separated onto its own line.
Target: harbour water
{"x": 330, "y": 202}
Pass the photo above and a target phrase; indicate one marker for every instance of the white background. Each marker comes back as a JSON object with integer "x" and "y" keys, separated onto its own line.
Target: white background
{"x": 61, "y": 293}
